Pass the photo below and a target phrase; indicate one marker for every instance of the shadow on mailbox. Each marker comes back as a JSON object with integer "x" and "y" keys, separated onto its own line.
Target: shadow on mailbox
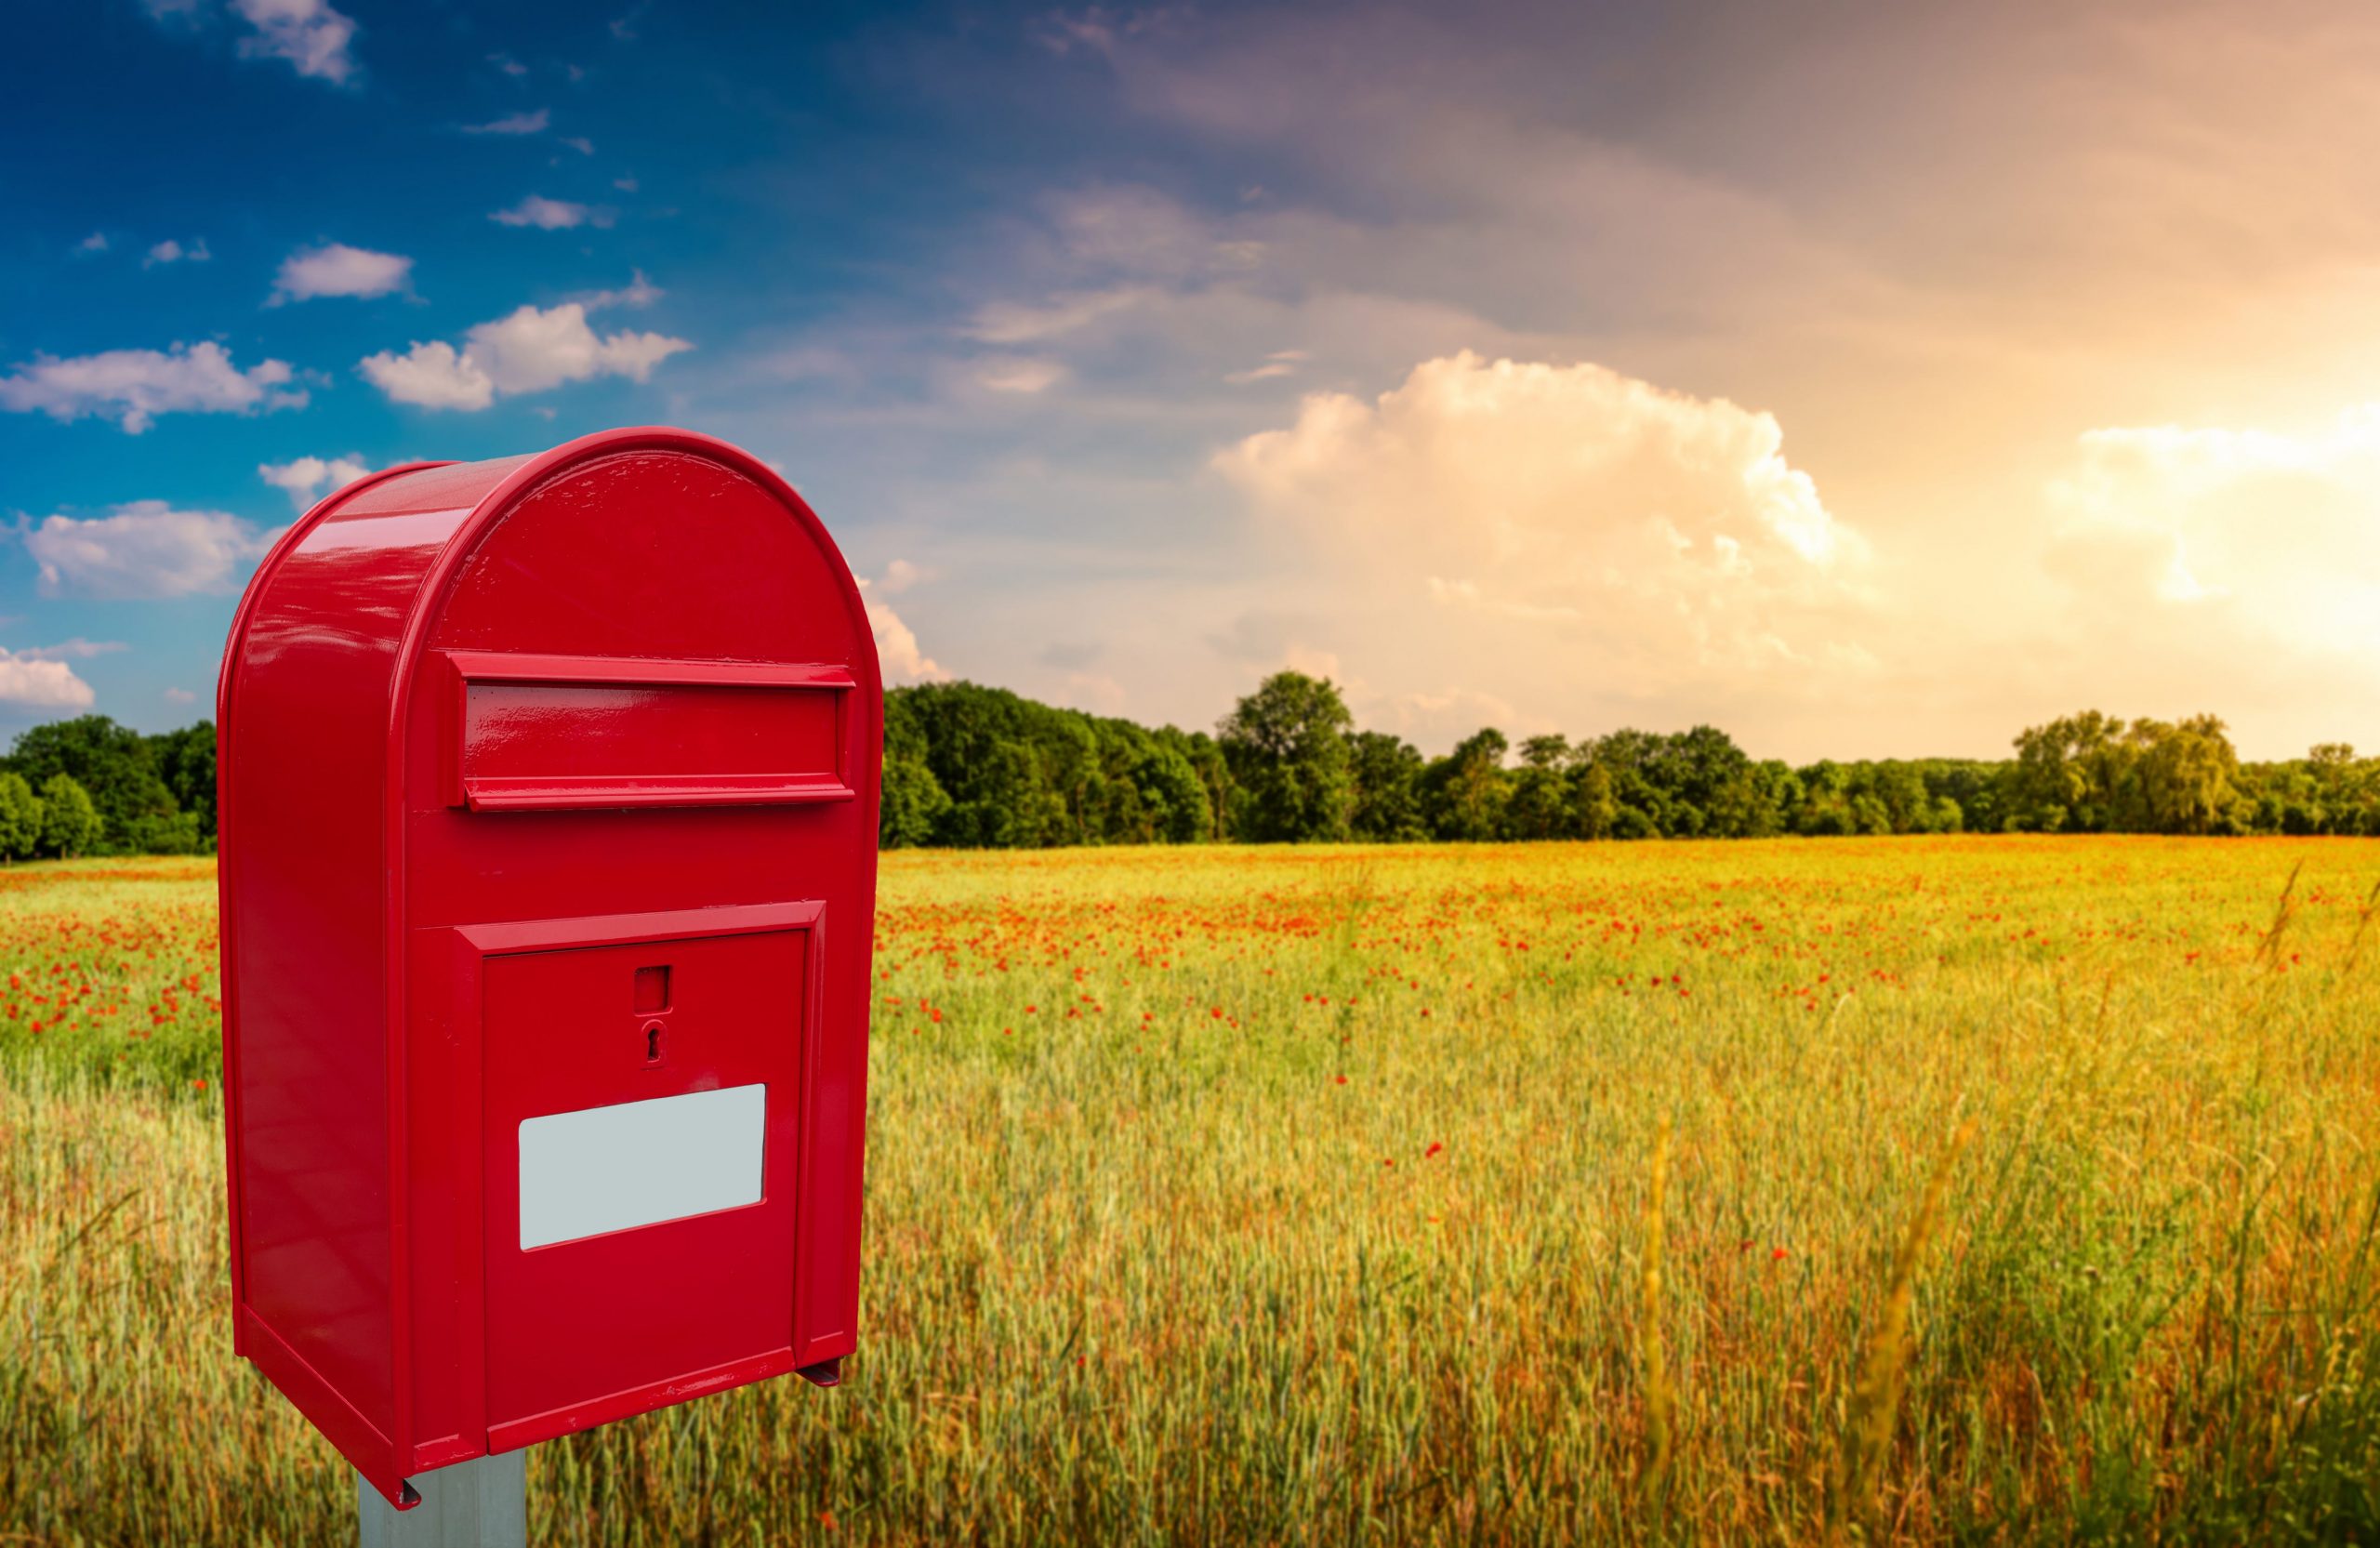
{"x": 548, "y": 805}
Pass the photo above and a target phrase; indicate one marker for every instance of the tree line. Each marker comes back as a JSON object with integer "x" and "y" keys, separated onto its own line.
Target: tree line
{"x": 92, "y": 786}
{"x": 982, "y": 768}
{"x": 973, "y": 767}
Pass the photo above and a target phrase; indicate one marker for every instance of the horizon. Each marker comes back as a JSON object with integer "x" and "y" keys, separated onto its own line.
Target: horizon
{"x": 1865, "y": 385}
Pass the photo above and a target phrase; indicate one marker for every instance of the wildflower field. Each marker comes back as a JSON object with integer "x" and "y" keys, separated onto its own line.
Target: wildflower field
{"x": 1984, "y": 1189}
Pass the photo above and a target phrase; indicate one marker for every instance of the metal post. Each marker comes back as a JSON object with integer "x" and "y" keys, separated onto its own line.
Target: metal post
{"x": 481, "y": 1503}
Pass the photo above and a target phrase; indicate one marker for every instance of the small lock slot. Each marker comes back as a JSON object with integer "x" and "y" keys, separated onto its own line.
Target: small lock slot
{"x": 653, "y": 1043}
{"x": 652, "y": 989}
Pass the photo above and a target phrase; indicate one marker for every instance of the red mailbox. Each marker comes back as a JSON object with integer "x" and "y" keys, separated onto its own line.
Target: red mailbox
{"x": 549, "y": 795}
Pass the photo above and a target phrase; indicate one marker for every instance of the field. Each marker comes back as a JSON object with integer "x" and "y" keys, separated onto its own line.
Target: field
{"x": 1509, "y": 1194}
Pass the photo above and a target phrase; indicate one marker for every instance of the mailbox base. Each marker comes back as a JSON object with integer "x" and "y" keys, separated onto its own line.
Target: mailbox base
{"x": 479, "y": 1504}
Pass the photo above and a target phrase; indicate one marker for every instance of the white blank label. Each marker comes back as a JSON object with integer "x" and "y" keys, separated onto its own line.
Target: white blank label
{"x": 607, "y": 1169}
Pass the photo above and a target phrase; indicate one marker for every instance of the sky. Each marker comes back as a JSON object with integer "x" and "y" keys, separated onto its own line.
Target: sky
{"x": 1866, "y": 380}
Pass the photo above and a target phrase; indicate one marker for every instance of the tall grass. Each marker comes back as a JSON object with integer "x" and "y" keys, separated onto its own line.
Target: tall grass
{"x": 1320, "y": 1196}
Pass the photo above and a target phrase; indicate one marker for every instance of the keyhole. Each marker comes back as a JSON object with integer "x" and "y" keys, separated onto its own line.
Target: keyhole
{"x": 652, "y": 1044}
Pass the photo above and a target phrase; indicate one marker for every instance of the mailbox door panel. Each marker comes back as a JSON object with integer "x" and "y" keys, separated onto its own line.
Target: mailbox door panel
{"x": 641, "y": 1151}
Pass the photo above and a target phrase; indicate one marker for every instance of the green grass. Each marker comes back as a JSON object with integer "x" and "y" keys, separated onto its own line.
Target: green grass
{"x": 1302, "y": 1196}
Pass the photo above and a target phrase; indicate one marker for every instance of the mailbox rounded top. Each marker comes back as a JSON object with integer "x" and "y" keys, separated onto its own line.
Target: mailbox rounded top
{"x": 647, "y": 541}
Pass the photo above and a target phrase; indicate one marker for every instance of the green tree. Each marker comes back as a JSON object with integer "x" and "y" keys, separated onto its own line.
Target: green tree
{"x": 1213, "y": 770}
{"x": 913, "y": 801}
{"x": 2185, "y": 774}
{"x": 71, "y": 824}
{"x": 1154, "y": 794}
{"x": 1287, "y": 745}
{"x": 1597, "y": 809}
{"x": 1642, "y": 808}
{"x": 1696, "y": 769}
{"x": 2071, "y": 773}
{"x": 111, "y": 763}
{"x": 1463, "y": 794}
{"x": 1540, "y": 806}
{"x": 185, "y": 761}
{"x": 1388, "y": 805}
{"x": 1901, "y": 788}
{"x": 21, "y": 817}
{"x": 1827, "y": 796}
{"x": 1016, "y": 807}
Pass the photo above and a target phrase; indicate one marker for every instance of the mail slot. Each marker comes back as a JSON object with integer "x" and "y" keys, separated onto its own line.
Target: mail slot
{"x": 548, "y": 794}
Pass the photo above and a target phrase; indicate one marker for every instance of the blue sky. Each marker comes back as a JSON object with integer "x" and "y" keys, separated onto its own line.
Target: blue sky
{"x": 1863, "y": 382}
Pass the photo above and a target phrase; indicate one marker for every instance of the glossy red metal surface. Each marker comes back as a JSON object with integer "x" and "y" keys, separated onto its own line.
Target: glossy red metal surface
{"x": 513, "y": 753}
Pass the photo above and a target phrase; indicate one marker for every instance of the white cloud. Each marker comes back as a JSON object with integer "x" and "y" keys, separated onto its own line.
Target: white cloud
{"x": 529, "y": 351}
{"x": 637, "y": 292}
{"x": 143, "y": 549}
{"x": 134, "y": 386}
{"x": 1015, "y": 323}
{"x": 434, "y": 374}
{"x": 76, "y": 649}
{"x": 307, "y": 479}
{"x": 514, "y": 124}
{"x": 625, "y": 185}
{"x": 2252, "y": 555}
{"x": 899, "y": 576}
{"x": 309, "y": 34}
{"x": 171, "y": 251}
{"x": 31, "y": 682}
{"x": 896, "y": 644}
{"x": 1019, "y": 375}
{"x": 180, "y": 696}
{"x": 95, "y": 243}
{"x": 509, "y": 65}
{"x": 551, "y": 214}
{"x": 1558, "y": 532}
{"x": 580, "y": 143}
{"x": 335, "y": 269}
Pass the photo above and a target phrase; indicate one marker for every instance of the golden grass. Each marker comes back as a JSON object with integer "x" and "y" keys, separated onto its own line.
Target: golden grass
{"x": 1320, "y": 1196}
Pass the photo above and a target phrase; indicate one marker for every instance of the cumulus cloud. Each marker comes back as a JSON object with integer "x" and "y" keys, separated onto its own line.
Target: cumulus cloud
{"x": 896, "y": 644}
{"x": 171, "y": 251}
{"x": 309, "y": 34}
{"x": 551, "y": 214}
{"x": 133, "y": 387}
{"x": 307, "y": 479}
{"x": 2251, "y": 555}
{"x": 529, "y": 351}
{"x": 335, "y": 269}
{"x": 95, "y": 243}
{"x": 512, "y": 123}
{"x": 29, "y": 681}
{"x": 1558, "y": 532}
{"x": 143, "y": 549}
